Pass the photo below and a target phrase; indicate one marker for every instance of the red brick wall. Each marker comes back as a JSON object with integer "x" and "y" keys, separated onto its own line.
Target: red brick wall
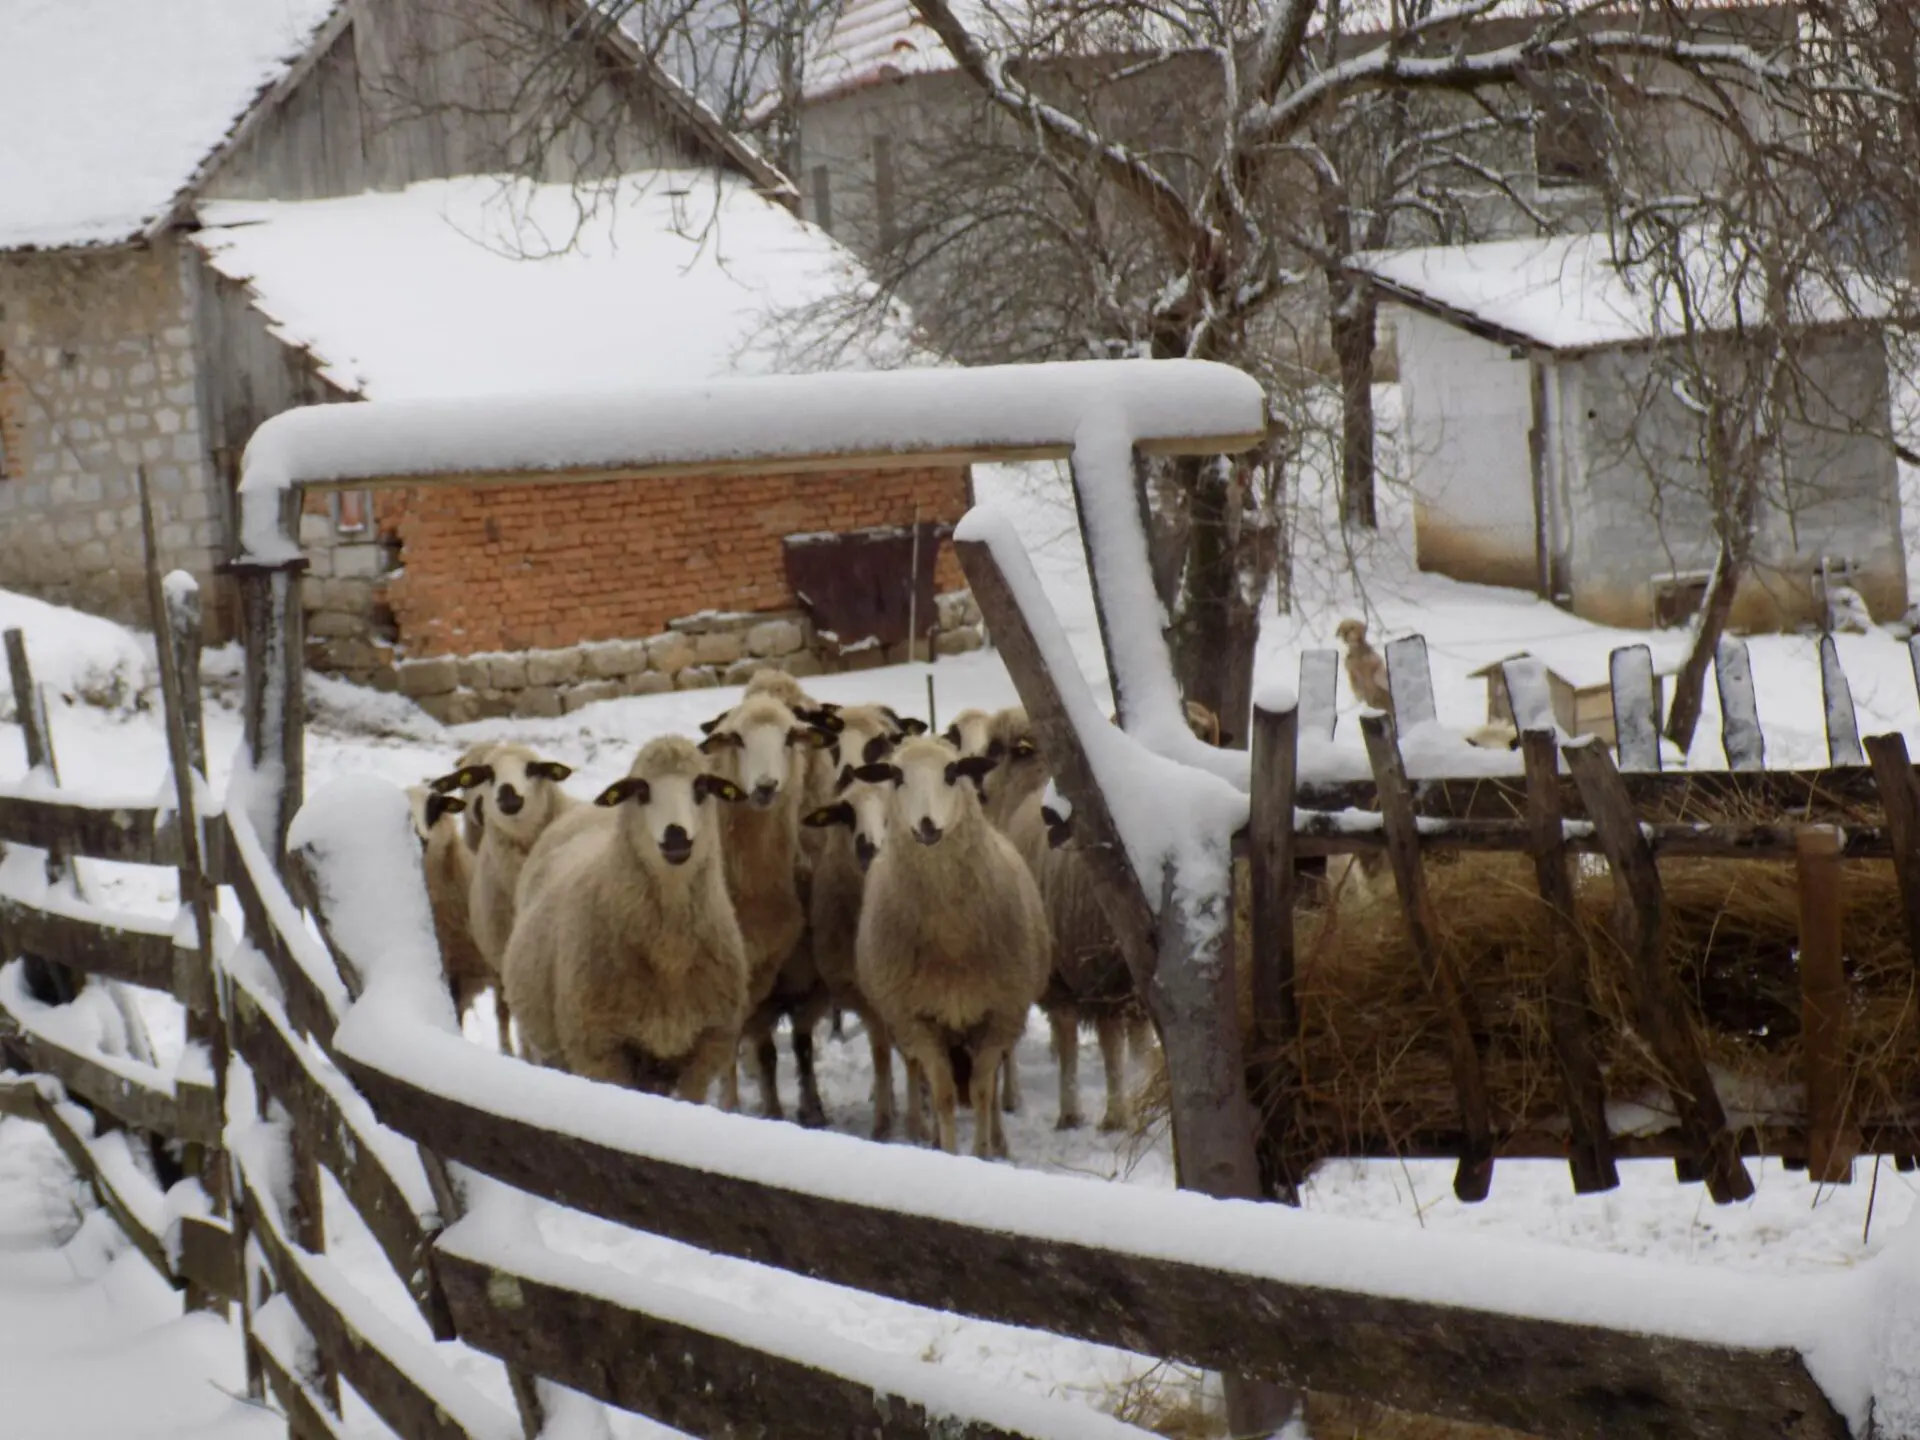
{"x": 543, "y": 566}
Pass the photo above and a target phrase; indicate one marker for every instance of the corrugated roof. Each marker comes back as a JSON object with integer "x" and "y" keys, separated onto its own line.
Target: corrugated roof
{"x": 109, "y": 107}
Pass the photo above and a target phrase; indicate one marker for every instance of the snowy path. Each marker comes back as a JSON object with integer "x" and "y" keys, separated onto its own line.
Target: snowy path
{"x": 95, "y": 1344}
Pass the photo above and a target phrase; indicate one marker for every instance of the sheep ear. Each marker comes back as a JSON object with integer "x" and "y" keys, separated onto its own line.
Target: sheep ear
{"x": 719, "y": 787}
{"x": 821, "y": 719}
{"x": 840, "y": 813}
{"x": 1023, "y": 747}
{"x": 549, "y": 770}
{"x": 951, "y": 735}
{"x": 913, "y": 726}
{"x": 629, "y": 788}
{"x": 809, "y": 738}
{"x": 876, "y": 750}
{"x": 1058, "y": 835}
{"x": 975, "y": 767}
{"x": 437, "y": 805}
{"x": 465, "y": 778}
{"x": 707, "y": 727}
{"x": 718, "y": 740}
{"x": 878, "y": 774}
{"x": 995, "y": 749}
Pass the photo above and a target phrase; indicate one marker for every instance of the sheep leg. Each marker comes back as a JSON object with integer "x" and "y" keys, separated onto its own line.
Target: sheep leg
{"x": 766, "y": 1065}
{"x": 1111, "y": 1031}
{"x": 504, "y": 1018}
{"x": 1010, "y": 1088}
{"x": 812, "y": 1113}
{"x": 1064, "y": 1022}
{"x": 880, "y": 1045}
{"x": 988, "y": 1139}
{"x": 916, "y": 1102}
{"x": 1139, "y": 1042}
{"x": 946, "y": 1101}
{"x": 711, "y": 1054}
{"x": 730, "y": 1082}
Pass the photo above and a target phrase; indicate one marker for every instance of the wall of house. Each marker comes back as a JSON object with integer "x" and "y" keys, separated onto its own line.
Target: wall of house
{"x": 536, "y": 599}
{"x": 100, "y": 378}
{"x": 1467, "y": 408}
{"x": 1640, "y": 509}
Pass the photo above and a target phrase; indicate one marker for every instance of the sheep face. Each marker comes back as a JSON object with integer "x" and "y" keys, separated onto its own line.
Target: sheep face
{"x": 757, "y": 747}
{"x": 520, "y": 790}
{"x": 935, "y": 788}
{"x": 970, "y": 732}
{"x": 663, "y": 801}
{"x": 427, "y": 806}
{"x": 862, "y": 806}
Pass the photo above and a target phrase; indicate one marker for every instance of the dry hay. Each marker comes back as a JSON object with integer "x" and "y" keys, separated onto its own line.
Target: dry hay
{"x": 1376, "y": 1075}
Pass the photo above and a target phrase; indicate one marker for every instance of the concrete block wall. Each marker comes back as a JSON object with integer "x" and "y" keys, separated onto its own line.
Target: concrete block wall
{"x": 100, "y": 376}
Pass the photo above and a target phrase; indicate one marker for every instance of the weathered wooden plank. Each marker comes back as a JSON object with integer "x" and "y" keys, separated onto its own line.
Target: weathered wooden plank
{"x": 272, "y": 626}
{"x": 1410, "y": 682}
{"x": 1327, "y": 835}
{"x": 1545, "y": 1377}
{"x": 210, "y": 1257}
{"x": 404, "y": 1235}
{"x": 1843, "y": 725}
{"x": 1529, "y": 698}
{"x": 189, "y": 1113}
{"x": 307, "y": 1415}
{"x": 1639, "y": 914}
{"x": 133, "y": 953}
{"x": 1636, "y": 715}
{"x": 47, "y": 979}
{"x": 123, "y": 834}
{"x": 308, "y": 1006}
{"x": 1474, "y": 1174}
{"x": 567, "y": 1336}
{"x": 19, "y": 1097}
{"x": 1569, "y": 1013}
{"x": 74, "y": 1146}
{"x": 1899, "y": 793}
{"x": 1741, "y": 737}
{"x": 1319, "y": 693}
{"x": 1824, "y": 1006}
{"x": 1276, "y": 1016}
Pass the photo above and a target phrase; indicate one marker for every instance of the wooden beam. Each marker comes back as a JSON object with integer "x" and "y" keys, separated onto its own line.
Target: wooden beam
{"x": 567, "y": 1337}
{"x": 1639, "y": 916}
{"x": 1636, "y": 714}
{"x": 1546, "y": 1377}
{"x": 126, "y": 835}
{"x": 210, "y": 1257}
{"x": 47, "y": 979}
{"x": 1319, "y": 693}
{"x": 1569, "y": 1011}
{"x": 1824, "y": 1007}
{"x": 1843, "y": 725}
{"x": 1411, "y": 681}
{"x": 189, "y": 1113}
{"x": 307, "y": 1415}
{"x": 1276, "y": 1017}
{"x": 1474, "y": 1174}
{"x": 80, "y": 1155}
{"x": 1321, "y": 834}
{"x": 138, "y": 956}
{"x": 274, "y": 717}
{"x": 306, "y": 1004}
{"x": 1893, "y": 772}
{"x": 1741, "y": 737}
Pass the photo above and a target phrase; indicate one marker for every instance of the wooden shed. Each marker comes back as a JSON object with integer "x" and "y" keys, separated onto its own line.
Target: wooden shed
{"x": 1581, "y": 706}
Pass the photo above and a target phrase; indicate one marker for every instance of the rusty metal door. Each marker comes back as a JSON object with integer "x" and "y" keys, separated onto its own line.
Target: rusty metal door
{"x": 858, "y": 586}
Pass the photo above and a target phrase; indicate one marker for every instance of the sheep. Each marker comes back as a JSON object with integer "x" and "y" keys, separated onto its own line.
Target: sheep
{"x": 473, "y": 820}
{"x": 851, "y": 827}
{"x": 952, "y": 945}
{"x": 762, "y": 748}
{"x": 448, "y": 859}
{"x": 1366, "y": 669}
{"x": 627, "y": 963}
{"x": 523, "y": 797}
{"x": 967, "y": 731}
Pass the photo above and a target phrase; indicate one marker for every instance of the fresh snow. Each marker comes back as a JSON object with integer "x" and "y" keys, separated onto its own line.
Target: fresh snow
{"x": 110, "y": 106}
{"x": 1019, "y": 409}
{"x": 491, "y": 286}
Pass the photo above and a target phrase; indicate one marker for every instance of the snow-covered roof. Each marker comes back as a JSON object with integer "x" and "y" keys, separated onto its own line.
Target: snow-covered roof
{"x": 874, "y": 40}
{"x": 109, "y": 107}
{"x": 1570, "y": 293}
{"x": 479, "y": 286}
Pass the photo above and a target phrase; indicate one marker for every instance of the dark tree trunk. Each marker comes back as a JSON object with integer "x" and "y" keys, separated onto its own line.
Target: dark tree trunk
{"x": 1351, "y": 322}
{"x": 1214, "y": 627}
{"x": 1689, "y": 686}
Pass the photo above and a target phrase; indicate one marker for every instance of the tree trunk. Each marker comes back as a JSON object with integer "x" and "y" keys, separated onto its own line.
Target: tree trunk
{"x": 1214, "y": 627}
{"x": 1351, "y": 321}
{"x": 1689, "y": 686}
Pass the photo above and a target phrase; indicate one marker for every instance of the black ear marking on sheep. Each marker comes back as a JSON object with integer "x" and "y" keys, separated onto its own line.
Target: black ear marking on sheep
{"x": 630, "y": 788}
{"x": 465, "y": 778}
{"x": 438, "y": 805}
{"x": 975, "y": 767}
{"x": 720, "y": 740}
{"x": 913, "y": 726}
{"x": 995, "y": 749}
{"x": 878, "y": 774}
{"x": 876, "y": 750}
{"x": 809, "y": 738}
{"x": 951, "y": 735}
{"x": 549, "y": 770}
{"x": 1059, "y": 830}
{"x": 719, "y": 787}
{"x": 707, "y": 727}
{"x": 838, "y": 813}
{"x": 821, "y": 718}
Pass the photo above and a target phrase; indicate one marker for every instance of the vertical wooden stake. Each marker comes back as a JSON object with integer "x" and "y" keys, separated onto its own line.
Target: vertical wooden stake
{"x": 272, "y": 630}
{"x": 1410, "y": 681}
{"x": 48, "y": 981}
{"x": 1636, "y": 714}
{"x": 1640, "y": 920}
{"x": 1843, "y": 725}
{"x": 1741, "y": 737}
{"x": 1276, "y": 1018}
{"x": 1570, "y": 1018}
{"x": 1474, "y": 1175}
{"x": 1831, "y": 1141}
{"x": 1900, "y": 797}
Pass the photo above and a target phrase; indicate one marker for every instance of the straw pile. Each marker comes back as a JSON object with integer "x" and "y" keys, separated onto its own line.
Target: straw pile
{"x": 1374, "y": 1050}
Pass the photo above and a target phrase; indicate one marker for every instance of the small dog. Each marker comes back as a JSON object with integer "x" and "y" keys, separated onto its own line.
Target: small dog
{"x": 1366, "y": 668}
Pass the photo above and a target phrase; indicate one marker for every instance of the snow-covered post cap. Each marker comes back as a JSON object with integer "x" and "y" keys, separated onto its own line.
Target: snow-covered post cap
{"x": 1276, "y": 697}
{"x": 987, "y": 412}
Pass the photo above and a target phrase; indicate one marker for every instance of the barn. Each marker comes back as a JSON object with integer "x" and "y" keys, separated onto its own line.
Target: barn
{"x": 1548, "y": 449}
{"x": 244, "y": 206}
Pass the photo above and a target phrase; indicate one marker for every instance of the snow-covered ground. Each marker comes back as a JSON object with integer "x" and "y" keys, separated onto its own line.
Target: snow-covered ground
{"x": 85, "y": 1311}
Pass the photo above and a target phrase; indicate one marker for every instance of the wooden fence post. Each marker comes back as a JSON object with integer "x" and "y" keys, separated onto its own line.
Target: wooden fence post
{"x": 1824, "y": 1004}
{"x": 1276, "y": 1018}
{"x": 1410, "y": 680}
{"x": 1569, "y": 1015}
{"x": 49, "y": 982}
{"x": 1843, "y": 725}
{"x": 1636, "y": 715}
{"x": 1639, "y": 918}
{"x": 1473, "y": 1176}
{"x": 1741, "y": 737}
{"x": 1900, "y": 798}
{"x": 272, "y": 631}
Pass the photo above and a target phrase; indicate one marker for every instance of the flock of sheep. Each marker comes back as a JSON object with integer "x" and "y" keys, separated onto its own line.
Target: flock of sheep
{"x": 801, "y": 859}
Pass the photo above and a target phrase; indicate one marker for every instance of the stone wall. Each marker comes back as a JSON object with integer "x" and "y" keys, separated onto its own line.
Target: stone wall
{"x": 100, "y": 376}
{"x": 694, "y": 653}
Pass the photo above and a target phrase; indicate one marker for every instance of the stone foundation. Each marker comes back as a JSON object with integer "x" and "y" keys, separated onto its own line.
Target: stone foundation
{"x": 698, "y": 652}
